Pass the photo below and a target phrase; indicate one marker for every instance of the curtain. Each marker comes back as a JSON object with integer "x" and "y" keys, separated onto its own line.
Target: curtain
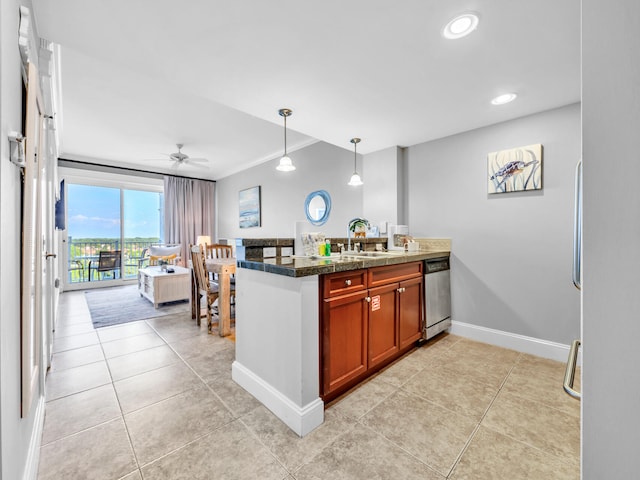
{"x": 188, "y": 211}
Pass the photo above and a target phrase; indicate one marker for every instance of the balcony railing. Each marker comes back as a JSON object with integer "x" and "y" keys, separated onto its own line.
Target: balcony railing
{"x": 82, "y": 252}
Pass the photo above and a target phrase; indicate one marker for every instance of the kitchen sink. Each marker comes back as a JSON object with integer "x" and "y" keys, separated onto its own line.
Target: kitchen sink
{"x": 375, "y": 254}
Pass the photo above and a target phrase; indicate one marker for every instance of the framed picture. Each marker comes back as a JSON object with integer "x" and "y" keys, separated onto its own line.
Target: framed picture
{"x": 515, "y": 170}
{"x": 249, "y": 202}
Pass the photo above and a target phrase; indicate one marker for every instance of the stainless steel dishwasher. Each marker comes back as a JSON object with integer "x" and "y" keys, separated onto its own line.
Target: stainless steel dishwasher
{"x": 437, "y": 296}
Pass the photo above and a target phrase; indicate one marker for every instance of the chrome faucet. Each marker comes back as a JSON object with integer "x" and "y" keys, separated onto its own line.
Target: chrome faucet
{"x": 353, "y": 223}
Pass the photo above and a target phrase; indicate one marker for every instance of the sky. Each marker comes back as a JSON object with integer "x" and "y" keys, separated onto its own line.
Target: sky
{"x": 94, "y": 212}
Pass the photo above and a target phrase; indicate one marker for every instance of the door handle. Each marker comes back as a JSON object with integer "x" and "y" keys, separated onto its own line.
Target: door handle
{"x": 577, "y": 228}
{"x": 570, "y": 372}
{"x": 49, "y": 255}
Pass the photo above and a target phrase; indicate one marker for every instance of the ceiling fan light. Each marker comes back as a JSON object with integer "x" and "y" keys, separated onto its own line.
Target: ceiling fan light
{"x": 355, "y": 181}
{"x": 285, "y": 165}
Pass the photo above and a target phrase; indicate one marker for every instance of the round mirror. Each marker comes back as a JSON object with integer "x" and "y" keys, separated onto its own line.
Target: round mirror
{"x": 317, "y": 207}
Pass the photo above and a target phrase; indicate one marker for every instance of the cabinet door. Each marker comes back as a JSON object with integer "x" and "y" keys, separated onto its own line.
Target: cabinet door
{"x": 410, "y": 311}
{"x": 383, "y": 332}
{"x": 344, "y": 339}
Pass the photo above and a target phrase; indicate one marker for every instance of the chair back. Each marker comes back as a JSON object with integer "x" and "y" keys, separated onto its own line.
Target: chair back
{"x": 217, "y": 250}
{"x": 197, "y": 259}
{"x": 109, "y": 260}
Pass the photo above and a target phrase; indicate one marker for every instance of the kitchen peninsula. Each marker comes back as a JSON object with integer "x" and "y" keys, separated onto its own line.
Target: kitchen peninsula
{"x": 281, "y": 339}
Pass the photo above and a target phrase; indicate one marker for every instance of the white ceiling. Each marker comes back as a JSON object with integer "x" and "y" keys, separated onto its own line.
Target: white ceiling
{"x": 140, "y": 76}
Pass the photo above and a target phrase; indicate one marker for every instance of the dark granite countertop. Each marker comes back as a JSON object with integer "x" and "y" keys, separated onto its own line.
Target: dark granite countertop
{"x": 304, "y": 266}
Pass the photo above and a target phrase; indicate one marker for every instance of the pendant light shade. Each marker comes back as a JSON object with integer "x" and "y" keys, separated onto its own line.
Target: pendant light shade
{"x": 355, "y": 178}
{"x": 285, "y": 165}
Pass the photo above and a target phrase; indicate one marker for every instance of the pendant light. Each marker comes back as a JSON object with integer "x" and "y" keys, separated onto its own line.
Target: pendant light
{"x": 285, "y": 165}
{"x": 355, "y": 178}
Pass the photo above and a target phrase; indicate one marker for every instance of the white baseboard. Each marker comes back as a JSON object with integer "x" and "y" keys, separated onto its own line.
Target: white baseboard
{"x": 301, "y": 420}
{"x": 514, "y": 341}
{"x": 33, "y": 455}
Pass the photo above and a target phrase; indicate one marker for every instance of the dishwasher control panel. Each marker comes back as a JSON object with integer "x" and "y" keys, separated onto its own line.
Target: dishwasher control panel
{"x": 437, "y": 265}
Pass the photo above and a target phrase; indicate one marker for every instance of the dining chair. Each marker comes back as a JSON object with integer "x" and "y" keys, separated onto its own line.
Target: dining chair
{"x": 203, "y": 288}
{"x": 219, "y": 250}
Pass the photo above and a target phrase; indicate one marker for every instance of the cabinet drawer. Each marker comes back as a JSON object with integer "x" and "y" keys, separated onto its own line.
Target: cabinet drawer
{"x": 344, "y": 282}
{"x": 394, "y": 273}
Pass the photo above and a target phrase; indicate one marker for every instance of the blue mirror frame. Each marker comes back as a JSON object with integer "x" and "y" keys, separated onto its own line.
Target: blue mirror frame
{"x": 324, "y": 195}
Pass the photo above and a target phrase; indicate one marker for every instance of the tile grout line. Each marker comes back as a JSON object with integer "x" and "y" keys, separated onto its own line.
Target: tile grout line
{"x": 477, "y": 427}
{"x": 259, "y": 440}
{"x": 121, "y": 416}
{"x": 139, "y": 466}
{"x": 412, "y": 455}
{"x": 400, "y": 389}
{"x": 237, "y": 418}
{"x": 126, "y": 428}
{"x": 197, "y": 375}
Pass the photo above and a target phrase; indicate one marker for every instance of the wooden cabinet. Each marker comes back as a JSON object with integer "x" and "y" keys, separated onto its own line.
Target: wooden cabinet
{"x": 369, "y": 318}
{"x": 344, "y": 282}
{"x": 344, "y": 339}
{"x": 410, "y": 302}
{"x": 383, "y": 332}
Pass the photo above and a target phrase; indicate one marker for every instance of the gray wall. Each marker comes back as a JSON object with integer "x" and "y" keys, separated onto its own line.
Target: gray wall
{"x": 318, "y": 167}
{"x": 15, "y": 432}
{"x": 511, "y": 253}
{"x": 611, "y": 328}
{"x": 381, "y": 174}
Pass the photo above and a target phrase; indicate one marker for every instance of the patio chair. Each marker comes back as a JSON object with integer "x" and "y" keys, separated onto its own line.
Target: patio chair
{"x": 108, "y": 261}
{"x": 76, "y": 266}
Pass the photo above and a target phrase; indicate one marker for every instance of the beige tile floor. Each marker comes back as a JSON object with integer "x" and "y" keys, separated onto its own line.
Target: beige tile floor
{"x": 154, "y": 399}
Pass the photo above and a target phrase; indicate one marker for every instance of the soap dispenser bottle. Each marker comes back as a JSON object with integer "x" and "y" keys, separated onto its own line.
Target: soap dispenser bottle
{"x": 327, "y": 248}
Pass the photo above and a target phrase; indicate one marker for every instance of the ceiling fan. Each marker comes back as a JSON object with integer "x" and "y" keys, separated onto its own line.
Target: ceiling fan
{"x": 181, "y": 158}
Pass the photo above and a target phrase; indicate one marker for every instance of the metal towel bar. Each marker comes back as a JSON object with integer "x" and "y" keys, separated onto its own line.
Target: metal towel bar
{"x": 570, "y": 372}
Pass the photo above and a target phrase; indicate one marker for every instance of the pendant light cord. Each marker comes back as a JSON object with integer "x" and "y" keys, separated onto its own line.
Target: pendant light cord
{"x": 285, "y": 135}
{"x": 355, "y": 148}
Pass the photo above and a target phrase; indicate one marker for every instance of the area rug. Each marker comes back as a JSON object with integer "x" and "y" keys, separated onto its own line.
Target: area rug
{"x": 115, "y": 305}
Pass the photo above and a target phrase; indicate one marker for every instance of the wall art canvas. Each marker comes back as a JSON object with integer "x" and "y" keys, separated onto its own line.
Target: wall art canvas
{"x": 249, "y": 202}
{"x": 515, "y": 170}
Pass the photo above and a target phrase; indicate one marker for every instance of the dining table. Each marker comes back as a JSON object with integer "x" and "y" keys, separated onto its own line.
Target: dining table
{"x": 224, "y": 268}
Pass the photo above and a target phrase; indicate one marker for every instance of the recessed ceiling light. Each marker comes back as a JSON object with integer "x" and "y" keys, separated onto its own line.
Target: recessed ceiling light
{"x": 461, "y": 26}
{"x": 504, "y": 98}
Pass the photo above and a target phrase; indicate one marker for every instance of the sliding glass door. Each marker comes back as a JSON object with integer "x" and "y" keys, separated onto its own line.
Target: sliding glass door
{"x": 93, "y": 231}
{"x": 142, "y": 227}
{"x": 109, "y": 230}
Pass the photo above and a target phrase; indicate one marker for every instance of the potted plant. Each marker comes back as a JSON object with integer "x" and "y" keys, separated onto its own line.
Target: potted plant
{"x": 359, "y": 227}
